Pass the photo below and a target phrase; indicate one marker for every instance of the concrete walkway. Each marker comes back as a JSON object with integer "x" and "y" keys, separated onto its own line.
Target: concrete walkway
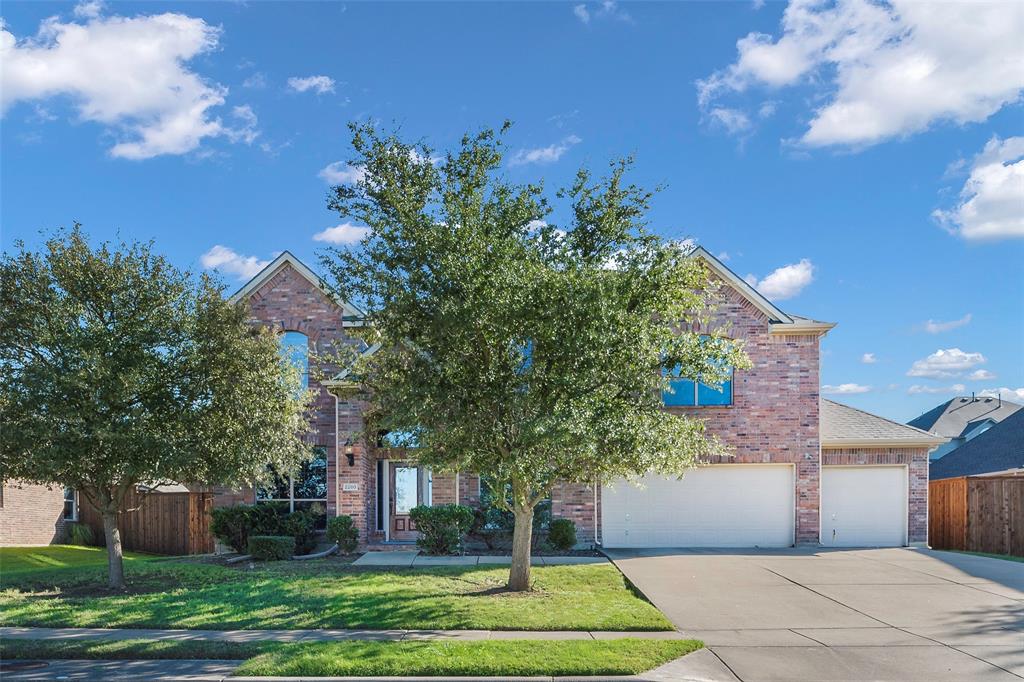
{"x": 415, "y": 559}
{"x": 114, "y": 634}
{"x": 841, "y": 615}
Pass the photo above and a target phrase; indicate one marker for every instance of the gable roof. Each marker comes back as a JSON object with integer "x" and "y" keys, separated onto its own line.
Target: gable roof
{"x": 845, "y": 426}
{"x": 351, "y": 316}
{"x": 951, "y": 418}
{"x": 780, "y": 322}
{"x": 1001, "y": 448}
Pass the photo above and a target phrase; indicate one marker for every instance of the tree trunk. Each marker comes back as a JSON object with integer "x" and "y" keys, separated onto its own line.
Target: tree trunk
{"x": 115, "y": 557}
{"x": 519, "y": 573}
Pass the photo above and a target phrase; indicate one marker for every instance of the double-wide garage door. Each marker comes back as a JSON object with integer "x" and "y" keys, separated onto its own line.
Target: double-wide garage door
{"x": 740, "y": 505}
{"x": 728, "y": 505}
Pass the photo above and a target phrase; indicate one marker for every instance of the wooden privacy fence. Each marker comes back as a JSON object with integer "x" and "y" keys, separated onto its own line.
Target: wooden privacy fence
{"x": 163, "y": 523}
{"x": 977, "y": 514}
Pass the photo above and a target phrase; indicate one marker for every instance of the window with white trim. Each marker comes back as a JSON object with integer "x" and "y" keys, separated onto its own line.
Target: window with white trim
{"x": 70, "y": 504}
{"x": 304, "y": 490}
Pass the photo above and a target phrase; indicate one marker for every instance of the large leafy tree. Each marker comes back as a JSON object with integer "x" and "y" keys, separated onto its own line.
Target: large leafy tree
{"x": 118, "y": 369}
{"x": 526, "y": 351}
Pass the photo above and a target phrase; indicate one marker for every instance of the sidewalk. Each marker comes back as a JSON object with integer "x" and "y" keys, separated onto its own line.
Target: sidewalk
{"x": 55, "y": 634}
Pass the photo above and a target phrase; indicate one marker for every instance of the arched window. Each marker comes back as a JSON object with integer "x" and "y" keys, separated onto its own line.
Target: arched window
{"x": 295, "y": 347}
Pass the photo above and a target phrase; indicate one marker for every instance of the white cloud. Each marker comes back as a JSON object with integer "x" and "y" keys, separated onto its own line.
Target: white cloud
{"x": 547, "y": 154}
{"x": 950, "y": 362}
{"x": 90, "y": 9}
{"x": 991, "y": 202}
{"x": 723, "y": 256}
{"x": 582, "y": 13}
{"x": 733, "y": 120}
{"x": 868, "y": 359}
{"x": 785, "y": 282}
{"x": 346, "y": 233}
{"x": 226, "y": 260}
{"x": 955, "y": 389}
{"x": 884, "y": 70}
{"x": 322, "y": 84}
{"x": 981, "y": 375}
{"x": 128, "y": 74}
{"x": 247, "y": 130}
{"x": 767, "y": 109}
{"x": 340, "y": 173}
{"x": 935, "y": 327}
{"x": 844, "y": 389}
{"x": 1004, "y": 392}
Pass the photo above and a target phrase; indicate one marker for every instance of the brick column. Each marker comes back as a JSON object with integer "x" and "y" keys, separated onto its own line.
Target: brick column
{"x": 575, "y": 501}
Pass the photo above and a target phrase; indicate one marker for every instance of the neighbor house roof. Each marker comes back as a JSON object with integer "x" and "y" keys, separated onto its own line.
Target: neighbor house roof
{"x": 845, "y": 426}
{"x": 351, "y": 316}
{"x": 952, "y": 418}
{"x": 781, "y": 323}
{"x": 1001, "y": 448}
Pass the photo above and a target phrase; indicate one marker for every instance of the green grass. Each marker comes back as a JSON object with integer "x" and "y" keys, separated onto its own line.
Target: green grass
{"x": 519, "y": 657}
{"x": 321, "y": 594}
{"x": 566, "y": 657}
{"x": 1005, "y": 557}
{"x": 27, "y": 561}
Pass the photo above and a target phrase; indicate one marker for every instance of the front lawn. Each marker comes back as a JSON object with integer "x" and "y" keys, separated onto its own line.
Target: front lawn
{"x": 435, "y": 658}
{"x": 323, "y": 594}
{"x": 27, "y": 561}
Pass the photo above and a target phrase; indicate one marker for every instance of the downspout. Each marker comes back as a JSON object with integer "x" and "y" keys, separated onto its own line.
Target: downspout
{"x": 595, "y": 512}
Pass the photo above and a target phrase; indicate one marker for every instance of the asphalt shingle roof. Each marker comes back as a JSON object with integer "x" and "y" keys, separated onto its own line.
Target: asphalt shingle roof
{"x": 844, "y": 423}
{"x": 951, "y": 418}
{"x": 998, "y": 449}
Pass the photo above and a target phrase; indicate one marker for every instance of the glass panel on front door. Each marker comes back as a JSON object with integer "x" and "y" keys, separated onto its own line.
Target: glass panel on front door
{"x": 406, "y": 489}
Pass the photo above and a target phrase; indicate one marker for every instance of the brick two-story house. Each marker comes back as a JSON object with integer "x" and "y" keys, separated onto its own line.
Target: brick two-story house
{"x": 801, "y": 469}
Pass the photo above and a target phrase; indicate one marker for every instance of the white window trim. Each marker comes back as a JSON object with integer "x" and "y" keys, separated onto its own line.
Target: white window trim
{"x": 74, "y": 506}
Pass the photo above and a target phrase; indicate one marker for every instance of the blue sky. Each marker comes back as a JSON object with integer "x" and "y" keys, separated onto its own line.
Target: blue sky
{"x": 861, "y": 163}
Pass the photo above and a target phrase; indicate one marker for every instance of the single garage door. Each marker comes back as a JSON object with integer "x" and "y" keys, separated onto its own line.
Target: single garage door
{"x": 728, "y": 505}
{"x": 863, "y": 506}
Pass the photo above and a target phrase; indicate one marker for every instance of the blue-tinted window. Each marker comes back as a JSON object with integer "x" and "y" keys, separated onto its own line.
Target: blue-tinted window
{"x": 295, "y": 347}
{"x": 681, "y": 394}
{"x": 709, "y": 395}
{"x": 687, "y": 393}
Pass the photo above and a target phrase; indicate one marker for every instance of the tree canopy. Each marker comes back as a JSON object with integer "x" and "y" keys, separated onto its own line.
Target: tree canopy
{"x": 117, "y": 369}
{"x": 525, "y": 350}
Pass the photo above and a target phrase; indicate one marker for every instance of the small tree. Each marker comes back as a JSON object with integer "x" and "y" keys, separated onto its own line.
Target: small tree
{"x": 118, "y": 369}
{"x": 515, "y": 348}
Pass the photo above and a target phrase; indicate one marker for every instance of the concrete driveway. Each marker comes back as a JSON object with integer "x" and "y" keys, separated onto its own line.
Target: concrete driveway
{"x": 869, "y": 614}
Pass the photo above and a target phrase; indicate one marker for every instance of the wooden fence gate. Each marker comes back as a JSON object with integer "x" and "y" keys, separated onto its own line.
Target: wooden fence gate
{"x": 163, "y": 523}
{"x": 977, "y": 514}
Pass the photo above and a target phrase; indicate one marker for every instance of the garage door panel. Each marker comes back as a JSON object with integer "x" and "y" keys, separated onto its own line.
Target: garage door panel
{"x": 715, "y": 506}
{"x": 863, "y": 506}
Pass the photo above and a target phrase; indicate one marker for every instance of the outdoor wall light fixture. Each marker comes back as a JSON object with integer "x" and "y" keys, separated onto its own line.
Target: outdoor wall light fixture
{"x": 350, "y": 453}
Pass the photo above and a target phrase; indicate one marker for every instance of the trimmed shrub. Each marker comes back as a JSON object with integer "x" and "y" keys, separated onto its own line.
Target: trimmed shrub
{"x": 442, "y": 527}
{"x": 271, "y": 547}
{"x": 76, "y": 533}
{"x": 235, "y": 525}
{"x": 342, "y": 530}
{"x": 562, "y": 534}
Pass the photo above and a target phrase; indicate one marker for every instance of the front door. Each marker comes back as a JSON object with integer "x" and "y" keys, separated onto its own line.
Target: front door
{"x": 405, "y": 493}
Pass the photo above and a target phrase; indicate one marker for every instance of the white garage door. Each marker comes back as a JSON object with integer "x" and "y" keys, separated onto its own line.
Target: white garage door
{"x": 729, "y": 505}
{"x": 863, "y": 506}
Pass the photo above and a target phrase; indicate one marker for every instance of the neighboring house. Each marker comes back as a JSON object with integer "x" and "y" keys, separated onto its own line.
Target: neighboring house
{"x": 961, "y": 419}
{"x": 35, "y": 514}
{"x": 997, "y": 451}
{"x": 802, "y": 469}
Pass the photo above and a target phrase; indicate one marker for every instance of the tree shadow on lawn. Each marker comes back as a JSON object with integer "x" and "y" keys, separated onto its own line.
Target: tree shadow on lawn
{"x": 436, "y": 598}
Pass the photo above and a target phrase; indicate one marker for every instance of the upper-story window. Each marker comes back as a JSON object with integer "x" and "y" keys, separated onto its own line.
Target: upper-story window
{"x": 689, "y": 393}
{"x": 295, "y": 347}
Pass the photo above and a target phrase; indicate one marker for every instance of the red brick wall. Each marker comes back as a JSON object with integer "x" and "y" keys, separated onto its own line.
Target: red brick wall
{"x": 774, "y": 415}
{"x": 31, "y": 514}
{"x": 916, "y": 461}
{"x": 576, "y": 502}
